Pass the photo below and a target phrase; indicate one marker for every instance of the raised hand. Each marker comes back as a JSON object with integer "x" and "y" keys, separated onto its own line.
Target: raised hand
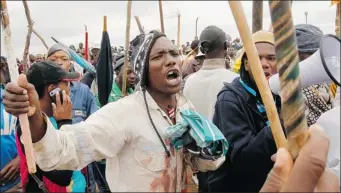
{"x": 22, "y": 98}
{"x": 308, "y": 173}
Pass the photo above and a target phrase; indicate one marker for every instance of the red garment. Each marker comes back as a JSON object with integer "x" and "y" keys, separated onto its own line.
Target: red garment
{"x": 52, "y": 187}
{"x": 21, "y": 68}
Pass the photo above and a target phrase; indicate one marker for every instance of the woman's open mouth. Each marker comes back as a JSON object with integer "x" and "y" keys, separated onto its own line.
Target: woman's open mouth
{"x": 173, "y": 77}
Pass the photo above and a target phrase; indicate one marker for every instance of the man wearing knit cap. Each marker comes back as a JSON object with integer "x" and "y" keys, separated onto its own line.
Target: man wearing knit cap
{"x": 83, "y": 101}
{"x": 213, "y": 73}
{"x": 318, "y": 97}
{"x": 240, "y": 115}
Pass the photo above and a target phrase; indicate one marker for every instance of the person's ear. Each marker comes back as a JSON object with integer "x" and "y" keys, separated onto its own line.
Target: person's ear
{"x": 51, "y": 87}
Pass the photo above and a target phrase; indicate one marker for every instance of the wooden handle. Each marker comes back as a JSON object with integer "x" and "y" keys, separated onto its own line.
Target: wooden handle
{"x": 27, "y": 141}
{"x": 293, "y": 106}
{"x": 257, "y": 71}
{"x": 161, "y": 17}
{"x": 126, "y": 62}
{"x": 105, "y": 23}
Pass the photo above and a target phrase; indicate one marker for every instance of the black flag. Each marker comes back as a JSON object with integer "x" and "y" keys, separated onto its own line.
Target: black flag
{"x": 104, "y": 67}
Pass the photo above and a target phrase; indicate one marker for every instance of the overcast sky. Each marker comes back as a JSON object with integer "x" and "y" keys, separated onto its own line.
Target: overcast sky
{"x": 65, "y": 20}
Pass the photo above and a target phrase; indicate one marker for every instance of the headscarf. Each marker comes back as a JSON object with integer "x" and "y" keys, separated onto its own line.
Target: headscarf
{"x": 139, "y": 50}
{"x": 57, "y": 47}
{"x": 308, "y": 38}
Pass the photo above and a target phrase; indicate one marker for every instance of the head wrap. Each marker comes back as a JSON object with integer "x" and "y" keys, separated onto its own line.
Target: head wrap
{"x": 139, "y": 50}
{"x": 57, "y": 47}
{"x": 308, "y": 38}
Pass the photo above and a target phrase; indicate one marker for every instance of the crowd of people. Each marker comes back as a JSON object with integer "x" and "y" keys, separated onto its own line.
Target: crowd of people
{"x": 124, "y": 146}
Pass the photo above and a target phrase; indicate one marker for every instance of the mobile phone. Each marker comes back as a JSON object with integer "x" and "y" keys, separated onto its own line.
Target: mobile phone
{"x": 53, "y": 95}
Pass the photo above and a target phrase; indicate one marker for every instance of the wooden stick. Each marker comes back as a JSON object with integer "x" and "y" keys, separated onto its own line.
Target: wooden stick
{"x": 257, "y": 16}
{"x": 139, "y": 24}
{"x": 178, "y": 42}
{"x": 257, "y": 71}
{"x": 126, "y": 62}
{"x": 105, "y": 23}
{"x": 293, "y": 108}
{"x": 270, "y": 27}
{"x": 86, "y": 49}
{"x": 161, "y": 17}
{"x": 12, "y": 65}
{"x": 28, "y": 36}
{"x": 40, "y": 37}
{"x": 337, "y": 20}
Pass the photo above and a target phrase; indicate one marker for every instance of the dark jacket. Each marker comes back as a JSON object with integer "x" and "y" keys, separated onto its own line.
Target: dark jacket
{"x": 251, "y": 142}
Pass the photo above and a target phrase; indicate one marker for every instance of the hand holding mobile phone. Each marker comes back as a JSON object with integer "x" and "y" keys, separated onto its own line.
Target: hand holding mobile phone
{"x": 53, "y": 95}
{"x": 61, "y": 106}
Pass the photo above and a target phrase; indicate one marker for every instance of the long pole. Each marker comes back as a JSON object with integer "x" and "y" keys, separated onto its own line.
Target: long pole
{"x": 139, "y": 25}
{"x": 293, "y": 108}
{"x": 196, "y": 28}
{"x": 161, "y": 17}
{"x": 270, "y": 27}
{"x": 40, "y": 37}
{"x": 126, "y": 62}
{"x": 28, "y": 36}
{"x": 86, "y": 50}
{"x": 178, "y": 42}
{"x": 12, "y": 65}
{"x": 306, "y": 17}
{"x": 337, "y": 20}
{"x": 257, "y": 71}
{"x": 257, "y": 16}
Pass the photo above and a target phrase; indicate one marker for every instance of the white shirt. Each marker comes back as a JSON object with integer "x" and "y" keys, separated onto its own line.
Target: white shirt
{"x": 330, "y": 122}
{"x": 122, "y": 133}
{"x": 202, "y": 87}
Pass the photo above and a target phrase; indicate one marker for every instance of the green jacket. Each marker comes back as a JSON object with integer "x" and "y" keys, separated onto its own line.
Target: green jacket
{"x": 115, "y": 94}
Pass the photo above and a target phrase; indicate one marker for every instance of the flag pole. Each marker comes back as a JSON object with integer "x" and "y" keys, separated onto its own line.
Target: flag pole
{"x": 86, "y": 44}
{"x": 126, "y": 62}
{"x": 257, "y": 71}
{"x": 293, "y": 106}
{"x": 12, "y": 65}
